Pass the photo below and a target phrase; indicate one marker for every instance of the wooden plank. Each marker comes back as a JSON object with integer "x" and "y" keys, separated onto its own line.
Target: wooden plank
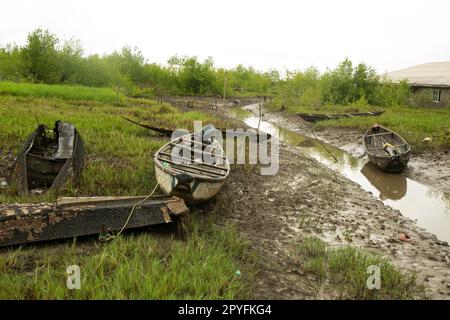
{"x": 182, "y": 158}
{"x": 198, "y": 151}
{"x": 67, "y": 218}
{"x": 200, "y": 169}
{"x": 378, "y": 134}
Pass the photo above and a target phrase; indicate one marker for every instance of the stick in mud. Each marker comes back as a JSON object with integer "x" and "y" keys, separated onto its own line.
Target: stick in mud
{"x": 320, "y": 142}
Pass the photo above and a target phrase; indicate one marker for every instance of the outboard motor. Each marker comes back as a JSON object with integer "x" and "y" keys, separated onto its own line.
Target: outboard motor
{"x": 208, "y": 133}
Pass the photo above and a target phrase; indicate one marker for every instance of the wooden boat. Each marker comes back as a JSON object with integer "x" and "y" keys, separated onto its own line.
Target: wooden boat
{"x": 386, "y": 149}
{"x": 168, "y": 132}
{"x": 47, "y": 159}
{"x": 162, "y": 131}
{"x": 314, "y": 117}
{"x": 74, "y": 217}
{"x": 192, "y": 167}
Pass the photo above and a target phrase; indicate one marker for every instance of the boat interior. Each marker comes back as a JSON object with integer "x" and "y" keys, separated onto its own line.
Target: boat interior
{"x": 381, "y": 142}
{"x": 188, "y": 155}
{"x": 56, "y": 144}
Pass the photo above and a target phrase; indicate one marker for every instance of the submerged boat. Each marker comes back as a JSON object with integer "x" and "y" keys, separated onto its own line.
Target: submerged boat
{"x": 314, "y": 117}
{"x": 192, "y": 167}
{"x": 386, "y": 149}
{"x": 47, "y": 159}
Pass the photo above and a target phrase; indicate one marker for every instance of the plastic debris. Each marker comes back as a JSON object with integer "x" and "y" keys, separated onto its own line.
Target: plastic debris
{"x": 404, "y": 237}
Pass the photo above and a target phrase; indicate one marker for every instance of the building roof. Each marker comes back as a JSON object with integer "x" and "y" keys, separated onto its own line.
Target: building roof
{"x": 429, "y": 74}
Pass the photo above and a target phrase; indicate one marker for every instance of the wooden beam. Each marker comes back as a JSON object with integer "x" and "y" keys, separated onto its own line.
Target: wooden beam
{"x": 72, "y": 217}
{"x": 379, "y": 134}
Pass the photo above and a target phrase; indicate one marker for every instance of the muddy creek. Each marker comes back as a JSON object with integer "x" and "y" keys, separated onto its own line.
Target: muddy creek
{"x": 417, "y": 201}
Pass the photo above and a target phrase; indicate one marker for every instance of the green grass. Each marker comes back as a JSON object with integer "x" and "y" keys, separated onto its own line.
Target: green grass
{"x": 345, "y": 270}
{"x": 118, "y": 162}
{"x": 412, "y": 123}
{"x": 119, "y": 154}
{"x": 67, "y": 92}
{"x": 134, "y": 266}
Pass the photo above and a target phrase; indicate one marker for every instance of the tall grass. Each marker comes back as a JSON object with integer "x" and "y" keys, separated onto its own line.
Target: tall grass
{"x": 118, "y": 153}
{"x": 68, "y": 92}
{"x": 118, "y": 162}
{"x": 134, "y": 266}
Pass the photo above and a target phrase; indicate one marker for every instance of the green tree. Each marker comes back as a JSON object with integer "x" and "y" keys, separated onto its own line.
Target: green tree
{"x": 197, "y": 77}
{"x": 70, "y": 59}
{"x": 40, "y": 56}
{"x": 12, "y": 66}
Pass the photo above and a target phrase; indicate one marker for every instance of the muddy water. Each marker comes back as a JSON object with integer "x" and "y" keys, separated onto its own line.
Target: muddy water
{"x": 429, "y": 208}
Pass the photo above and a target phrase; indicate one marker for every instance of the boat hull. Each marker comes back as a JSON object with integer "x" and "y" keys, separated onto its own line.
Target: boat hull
{"x": 392, "y": 164}
{"x": 195, "y": 192}
{"x": 31, "y": 170}
{"x": 386, "y": 149}
{"x": 310, "y": 117}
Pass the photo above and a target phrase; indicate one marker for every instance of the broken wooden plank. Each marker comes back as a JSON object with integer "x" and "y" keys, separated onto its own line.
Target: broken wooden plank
{"x": 72, "y": 217}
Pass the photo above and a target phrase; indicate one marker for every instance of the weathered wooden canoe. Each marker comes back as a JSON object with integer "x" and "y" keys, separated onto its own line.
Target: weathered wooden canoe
{"x": 314, "y": 117}
{"x": 386, "y": 149}
{"x": 162, "y": 131}
{"x": 48, "y": 160}
{"x": 168, "y": 132}
{"x": 192, "y": 167}
{"x": 73, "y": 217}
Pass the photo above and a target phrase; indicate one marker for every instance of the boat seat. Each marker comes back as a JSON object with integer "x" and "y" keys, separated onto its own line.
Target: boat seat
{"x": 378, "y": 134}
{"x": 65, "y": 141}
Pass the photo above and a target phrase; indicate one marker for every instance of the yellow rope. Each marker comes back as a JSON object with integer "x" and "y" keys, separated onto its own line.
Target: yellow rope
{"x": 110, "y": 236}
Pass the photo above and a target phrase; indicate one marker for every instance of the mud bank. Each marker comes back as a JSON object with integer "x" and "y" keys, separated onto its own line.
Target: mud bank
{"x": 430, "y": 168}
{"x": 306, "y": 198}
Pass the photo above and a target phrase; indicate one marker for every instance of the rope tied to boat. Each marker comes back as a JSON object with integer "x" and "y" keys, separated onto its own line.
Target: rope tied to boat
{"x": 105, "y": 237}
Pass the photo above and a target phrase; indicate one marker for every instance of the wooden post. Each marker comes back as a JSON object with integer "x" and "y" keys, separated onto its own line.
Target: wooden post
{"x": 224, "y": 87}
{"x": 259, "y": 111}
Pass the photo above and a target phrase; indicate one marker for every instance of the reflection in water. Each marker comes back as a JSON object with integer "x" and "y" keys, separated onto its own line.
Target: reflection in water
{"x": 391, "y": 186}
{"x": 415, "y": 200}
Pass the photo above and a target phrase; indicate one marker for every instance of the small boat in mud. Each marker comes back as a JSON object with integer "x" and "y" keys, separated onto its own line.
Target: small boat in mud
{"x": 168, "y": 132}
{"x": 314, "y": 117}
{"x": 164, "y": 132}
{"x": 193, "y": 166}
{"x": 386, "y": 149}
{"x": 48, "y": 159}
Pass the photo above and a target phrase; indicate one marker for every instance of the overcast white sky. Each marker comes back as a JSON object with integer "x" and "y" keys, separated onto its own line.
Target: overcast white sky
{"x": 280, "y": 34}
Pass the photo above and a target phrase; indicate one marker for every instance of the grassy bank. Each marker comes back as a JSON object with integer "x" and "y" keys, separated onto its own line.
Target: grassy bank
{"x": 118, "y": 162}
{"x": 67, "y": 92}
{"x": 413, "y": 123}
{"x": 135, "y": 266}
{"x": 119, "y": 154}
{"x": 345, "y": 271}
